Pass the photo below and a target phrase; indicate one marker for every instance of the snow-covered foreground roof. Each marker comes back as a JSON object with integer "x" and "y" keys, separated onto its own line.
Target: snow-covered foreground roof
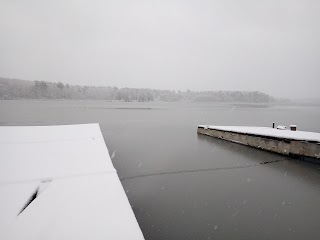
{"x": 270, "y": 132}
{"x": 66, "y": 174}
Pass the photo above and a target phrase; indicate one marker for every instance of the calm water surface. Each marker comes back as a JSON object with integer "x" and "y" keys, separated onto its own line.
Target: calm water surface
{"x": 187, "y": 186}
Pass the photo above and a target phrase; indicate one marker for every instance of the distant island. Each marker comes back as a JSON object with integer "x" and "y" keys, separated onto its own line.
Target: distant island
{"x": 11, "y": 89}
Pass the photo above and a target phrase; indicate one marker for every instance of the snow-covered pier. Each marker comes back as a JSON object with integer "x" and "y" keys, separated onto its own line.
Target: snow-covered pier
{"x": 58, "y": 182}
{"x": 304, "y": 145}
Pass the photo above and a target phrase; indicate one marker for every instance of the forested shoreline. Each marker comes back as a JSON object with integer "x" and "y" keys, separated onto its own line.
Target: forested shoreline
{"x": 23, "y": 89}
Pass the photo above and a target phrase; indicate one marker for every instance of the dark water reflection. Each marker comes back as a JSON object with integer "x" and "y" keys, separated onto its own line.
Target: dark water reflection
{"x": 182, "y": 185}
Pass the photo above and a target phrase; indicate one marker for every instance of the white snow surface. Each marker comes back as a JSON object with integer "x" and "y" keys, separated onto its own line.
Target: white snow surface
{"x": 270, "y": 132}
{"x": 80, "y": 195}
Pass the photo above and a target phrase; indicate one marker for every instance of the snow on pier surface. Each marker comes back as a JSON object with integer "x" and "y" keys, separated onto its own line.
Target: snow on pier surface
{"x": 58, "y": 182}
{"x": 270, "y": 132}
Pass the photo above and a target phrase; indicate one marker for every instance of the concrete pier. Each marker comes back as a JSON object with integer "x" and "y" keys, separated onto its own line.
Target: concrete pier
{"x": 304, "y": 145}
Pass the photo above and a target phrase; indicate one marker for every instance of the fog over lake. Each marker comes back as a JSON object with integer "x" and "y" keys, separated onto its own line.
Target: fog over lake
{"x": 268, "y": 46}
{"x": 149, "y": 72}
{"x": 182, "y": 185}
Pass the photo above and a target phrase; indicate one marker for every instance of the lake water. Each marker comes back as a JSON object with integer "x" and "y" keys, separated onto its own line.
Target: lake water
{"x": 182, "y": 185}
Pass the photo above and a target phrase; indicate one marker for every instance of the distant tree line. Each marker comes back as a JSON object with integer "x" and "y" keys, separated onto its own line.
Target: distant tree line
{"x": 23, "y": 89}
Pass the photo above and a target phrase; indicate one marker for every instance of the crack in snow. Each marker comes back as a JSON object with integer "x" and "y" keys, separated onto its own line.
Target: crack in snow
{"x": 58, "y": 177}
{"x": 41, "y": 188}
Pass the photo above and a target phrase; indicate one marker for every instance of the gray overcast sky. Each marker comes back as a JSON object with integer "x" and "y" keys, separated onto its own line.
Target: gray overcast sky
{"x": 270, "y": 46}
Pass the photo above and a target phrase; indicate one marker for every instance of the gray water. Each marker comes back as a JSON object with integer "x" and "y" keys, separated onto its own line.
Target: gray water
{"x": 182, "y": 185}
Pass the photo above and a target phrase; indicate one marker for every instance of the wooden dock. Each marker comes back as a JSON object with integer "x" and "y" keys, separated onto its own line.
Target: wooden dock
{"x": 58, "y": 182}
{"x": 300, "y": 144}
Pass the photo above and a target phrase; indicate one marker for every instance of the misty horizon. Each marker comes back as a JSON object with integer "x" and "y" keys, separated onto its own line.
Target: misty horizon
{"x": 316, "y": 98}
{"x": 15, "y": 89}
{"x": 106, "y": 85}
